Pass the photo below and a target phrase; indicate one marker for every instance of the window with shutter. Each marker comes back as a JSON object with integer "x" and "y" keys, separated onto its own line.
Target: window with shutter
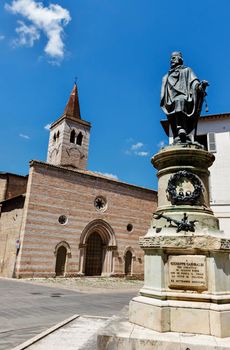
{"x": 211, "y": 142}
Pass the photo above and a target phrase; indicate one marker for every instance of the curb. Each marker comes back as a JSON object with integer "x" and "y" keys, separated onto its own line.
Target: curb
{"x": 42, "y": 335}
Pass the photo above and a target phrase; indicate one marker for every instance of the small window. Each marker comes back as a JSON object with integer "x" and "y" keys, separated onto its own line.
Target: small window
{"x": 72, "y": 136}
{"x": 202, "y": 139}
{"x": 62, "y": 220}
{"x": 211, "y": 142}
{"x": 100, "y": 203}
{"x": 54, "y": 137}
{"x": 58, "y": 134}
{"x": 129, "y": 227}
{"x": 79, "y": 139}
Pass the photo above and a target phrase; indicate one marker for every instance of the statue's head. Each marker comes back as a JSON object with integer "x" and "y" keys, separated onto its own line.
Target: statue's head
{"x": 176, "y": 59}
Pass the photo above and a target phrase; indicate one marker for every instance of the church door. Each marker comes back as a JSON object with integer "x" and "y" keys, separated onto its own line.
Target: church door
{"x": 128, "y": 263}
{"x": 94, "y": 251}
{"x": 60, "y": 261}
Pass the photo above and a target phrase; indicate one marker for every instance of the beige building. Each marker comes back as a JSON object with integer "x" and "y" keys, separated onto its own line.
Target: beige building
{"x": 66, "y": 220}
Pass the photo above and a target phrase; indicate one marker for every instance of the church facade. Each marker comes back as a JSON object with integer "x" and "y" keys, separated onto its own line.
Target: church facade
{"x": 64, "y": 220}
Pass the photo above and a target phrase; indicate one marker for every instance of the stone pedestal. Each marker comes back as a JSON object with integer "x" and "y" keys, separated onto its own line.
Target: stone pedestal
{"x": 123, "y": 335}
{"x": 187, "y": 263}
{"x": 186, "y": 285}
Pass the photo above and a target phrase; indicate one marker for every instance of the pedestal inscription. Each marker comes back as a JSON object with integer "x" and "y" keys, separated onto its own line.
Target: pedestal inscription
{"x": 187, "y": 272}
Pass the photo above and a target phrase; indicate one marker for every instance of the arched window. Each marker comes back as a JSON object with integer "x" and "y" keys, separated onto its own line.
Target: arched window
{"x": 60, "y": 261}
{"x": 58, "y": 134}
{"x": 72, "y": 136}
{"x": 79, "y": 139}
{"x": 54, "y": 137}
{"x": 128, "y": 263}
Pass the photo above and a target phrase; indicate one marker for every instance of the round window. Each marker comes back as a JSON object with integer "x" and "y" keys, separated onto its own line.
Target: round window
{"x": 100, "y": 203}
{"x": 62, "y": 219}
{"x": 129, "y": 227}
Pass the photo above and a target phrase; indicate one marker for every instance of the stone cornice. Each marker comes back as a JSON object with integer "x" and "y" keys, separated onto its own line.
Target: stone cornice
{"x": 67, "y": 117}
{"x": 199, "y": 242}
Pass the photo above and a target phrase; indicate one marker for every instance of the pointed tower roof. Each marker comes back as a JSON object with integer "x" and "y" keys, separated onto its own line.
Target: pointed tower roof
{"x": 72, "y": 108}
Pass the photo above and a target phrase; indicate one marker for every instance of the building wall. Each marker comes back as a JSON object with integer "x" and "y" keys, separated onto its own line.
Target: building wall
{"x": 16, "y": 185}
{"x": 11, "y": 185}
{"x": 220, "y": 170}
{"x": 54, "y": 191}
{"x": 222, "y": 212}
{"x": 10, "y": 224}
{"x": 3, "y": 186}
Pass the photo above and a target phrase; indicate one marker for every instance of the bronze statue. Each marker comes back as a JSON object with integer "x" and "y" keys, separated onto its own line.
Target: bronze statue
{"x": 182, "y": 96}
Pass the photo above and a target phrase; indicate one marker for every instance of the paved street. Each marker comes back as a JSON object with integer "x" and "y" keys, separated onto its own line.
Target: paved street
{"x": 28, "y": 309}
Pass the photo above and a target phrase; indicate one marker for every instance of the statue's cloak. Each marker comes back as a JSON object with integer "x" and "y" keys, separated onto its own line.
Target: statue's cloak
{"x": 178, "y": 92}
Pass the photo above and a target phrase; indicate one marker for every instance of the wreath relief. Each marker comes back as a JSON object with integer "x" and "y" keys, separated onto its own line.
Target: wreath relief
{"x": 184, "y": 188}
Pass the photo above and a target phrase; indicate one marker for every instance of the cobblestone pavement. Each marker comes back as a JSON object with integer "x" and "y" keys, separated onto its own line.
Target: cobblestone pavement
{"x": 90, "y": 284}
{"x": 28, "y": 308}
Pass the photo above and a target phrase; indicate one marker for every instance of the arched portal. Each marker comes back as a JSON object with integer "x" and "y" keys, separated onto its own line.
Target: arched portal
{"x": 97, "y": 246}
{"x": 94, "y": 255}
{"x": 60, "y": 261}
{"x": 128, "y": 263}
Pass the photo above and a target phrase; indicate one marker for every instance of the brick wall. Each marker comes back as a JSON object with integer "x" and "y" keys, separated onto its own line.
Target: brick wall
{"x": 16, "y": 185}
{"x": 3, "y": 186}
{"x": 53, "y": 191}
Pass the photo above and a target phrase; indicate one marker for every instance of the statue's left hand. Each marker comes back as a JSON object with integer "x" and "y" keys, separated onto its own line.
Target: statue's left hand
{"x": 203, "y": 84}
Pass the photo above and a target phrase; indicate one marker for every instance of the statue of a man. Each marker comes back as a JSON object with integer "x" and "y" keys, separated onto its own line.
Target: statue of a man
{"x": 182, "y": 95}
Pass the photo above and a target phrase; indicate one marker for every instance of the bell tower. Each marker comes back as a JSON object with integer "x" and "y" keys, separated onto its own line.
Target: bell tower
{"x": 69, "y": 136}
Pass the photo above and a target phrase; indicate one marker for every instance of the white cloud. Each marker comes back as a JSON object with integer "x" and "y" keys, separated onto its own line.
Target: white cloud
{"x": 137, "y": 146}
{"x": 137, "y": 150}
{"x": 112, "y": 176}
{"x": 142, "y": 154}
{"x": 129, "y": 140}
{"x": 47, "y": 127}
{"x": 161, "y": 144}
{"x": 2, "y": 37}
{"x": 24, "y": 136}
{"x": 26, "y": 35}
{"x": 49, "y": 20}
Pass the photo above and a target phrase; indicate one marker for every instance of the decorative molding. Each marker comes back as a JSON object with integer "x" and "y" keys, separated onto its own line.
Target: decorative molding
{"x": 82, "y": 245}
{"x": 225, "y": 243}
{"x": 111, "y": 247}
{"x": 200, "y": 242}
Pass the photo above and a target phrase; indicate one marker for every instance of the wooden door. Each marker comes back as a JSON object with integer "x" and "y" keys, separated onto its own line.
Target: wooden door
{"x": 94, "y": 251}
{"x": 60, "y": 261}
{"x": 128, "y": 263}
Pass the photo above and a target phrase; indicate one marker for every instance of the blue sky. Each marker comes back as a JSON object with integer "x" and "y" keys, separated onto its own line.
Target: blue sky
{"x": 119, "y": 50}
